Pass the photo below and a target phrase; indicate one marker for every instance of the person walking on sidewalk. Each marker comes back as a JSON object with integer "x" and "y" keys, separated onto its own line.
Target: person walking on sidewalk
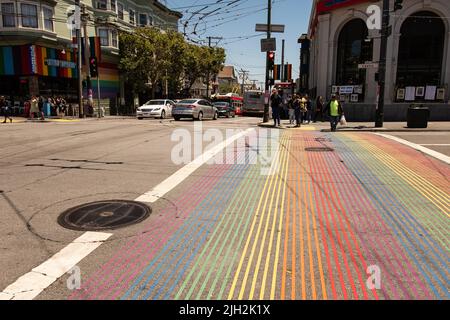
{"x": 308, "y": 105}
{"x": 5, "y": 108}
{"x": 41, "y": 107}
{"x": 319, "y": 109}
{"x": 34, "y": 108}
{"x": 297, "y": 103}
{"x": 276, "y": 101}
{"x": 291, "y": 109}
{"x": 335, "y": 111}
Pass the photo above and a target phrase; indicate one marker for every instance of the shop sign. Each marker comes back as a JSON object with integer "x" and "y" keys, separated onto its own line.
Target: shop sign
{"x": 60, "y": 63}
{"x": 33, "y": 59}
{"x": 346, "y": 90}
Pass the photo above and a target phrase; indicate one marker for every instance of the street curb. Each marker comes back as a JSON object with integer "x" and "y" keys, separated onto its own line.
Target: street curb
{"x": 262, "y": 125}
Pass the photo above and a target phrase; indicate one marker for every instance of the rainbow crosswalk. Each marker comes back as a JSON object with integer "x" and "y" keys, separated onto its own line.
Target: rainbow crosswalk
{"x": 313, "y": 229}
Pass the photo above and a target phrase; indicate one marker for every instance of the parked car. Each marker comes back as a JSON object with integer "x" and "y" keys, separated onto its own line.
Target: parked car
{"x": 196, "y": 109}
{"x": 155, "y": 109}
{"x": 225, "y": 109}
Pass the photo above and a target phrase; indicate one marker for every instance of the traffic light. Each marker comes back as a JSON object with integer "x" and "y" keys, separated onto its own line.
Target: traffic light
{"x": 93, "y": 67}
{"x": 398, "y": 5}
{"x": 271, "y": 59}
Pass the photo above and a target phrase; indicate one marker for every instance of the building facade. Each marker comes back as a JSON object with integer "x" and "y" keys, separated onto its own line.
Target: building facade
{"x": 37, "y": 55}
{"x": 344, "y": 49}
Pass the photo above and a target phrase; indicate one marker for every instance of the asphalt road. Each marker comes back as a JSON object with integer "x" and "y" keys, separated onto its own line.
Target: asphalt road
{"x": 303, "y": 222}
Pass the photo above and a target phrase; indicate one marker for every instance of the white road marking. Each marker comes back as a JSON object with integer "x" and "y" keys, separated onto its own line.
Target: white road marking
{"x": 34, "y": 282}
{"x": 171, "y": 182}
{"x": 30, "y": 285}
{"x": 427, "y": 151}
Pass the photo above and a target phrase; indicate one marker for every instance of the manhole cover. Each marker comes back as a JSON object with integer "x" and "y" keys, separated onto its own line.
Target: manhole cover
{"x": 104, "y": 215}
{"x": 319, "y": 149}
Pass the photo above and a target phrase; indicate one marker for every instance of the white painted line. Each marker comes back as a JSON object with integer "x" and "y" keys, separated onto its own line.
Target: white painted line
{"x": 171, "y": 182}
{"x": 420, "y": 148}
{"x": 34, "y": 282}
{"x": 436, "y": 145}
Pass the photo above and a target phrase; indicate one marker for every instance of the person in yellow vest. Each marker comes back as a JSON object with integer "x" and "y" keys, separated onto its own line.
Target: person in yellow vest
{"x": 335, "y": 111}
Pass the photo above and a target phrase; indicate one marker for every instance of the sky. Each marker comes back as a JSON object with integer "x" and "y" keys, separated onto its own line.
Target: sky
{"x": 235, "y": 20}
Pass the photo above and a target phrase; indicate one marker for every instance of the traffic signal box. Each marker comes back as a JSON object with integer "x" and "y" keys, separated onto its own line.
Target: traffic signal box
{"x": 93, "y": 67}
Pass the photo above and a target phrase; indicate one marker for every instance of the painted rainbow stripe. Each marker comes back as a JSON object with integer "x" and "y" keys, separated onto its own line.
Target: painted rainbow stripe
{"x": 308, "y": 231}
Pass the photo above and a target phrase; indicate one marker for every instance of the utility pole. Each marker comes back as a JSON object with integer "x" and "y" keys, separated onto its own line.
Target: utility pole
{"x": 282, "y": 75}
{"x": 208, "y": 74}
{"x": 84, "y": 19}
{"x": 379, "y": 116}
{"x": 80, "y": 79}
{"x": 269, "y": 27}
{"x": 243, "y": 73}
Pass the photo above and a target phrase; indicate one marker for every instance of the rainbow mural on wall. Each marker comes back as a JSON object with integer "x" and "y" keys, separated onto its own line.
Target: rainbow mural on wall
{"x": 28, "y": 60}
{"x": 36, "y": 60}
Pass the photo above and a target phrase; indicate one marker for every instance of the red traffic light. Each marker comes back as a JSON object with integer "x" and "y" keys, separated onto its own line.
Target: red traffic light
{"x": 271, "y": 55}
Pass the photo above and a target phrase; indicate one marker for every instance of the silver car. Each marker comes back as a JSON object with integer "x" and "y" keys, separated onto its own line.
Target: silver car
{"x": 196, "y": 109}
{"x": 155, "y": 109}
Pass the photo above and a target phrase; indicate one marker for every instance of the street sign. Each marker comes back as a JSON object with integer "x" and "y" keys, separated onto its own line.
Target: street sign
{"x": 268, "y": 45}
{"x": 368, "y": 65}
{"x": 279, "y": 28}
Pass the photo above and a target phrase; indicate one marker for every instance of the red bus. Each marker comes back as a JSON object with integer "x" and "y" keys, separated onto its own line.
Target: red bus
{"x": 233, "y": 99}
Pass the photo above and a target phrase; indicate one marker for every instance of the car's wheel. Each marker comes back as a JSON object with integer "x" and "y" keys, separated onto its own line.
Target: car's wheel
{"x": 163, "y": 114}
{"x": 177, "y": 118}
{"x": 140, "y": 118}
{"x": 200, "y": 116}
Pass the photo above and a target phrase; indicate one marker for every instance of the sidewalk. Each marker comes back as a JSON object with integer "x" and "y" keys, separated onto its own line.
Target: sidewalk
{"x": 443, "y": 126}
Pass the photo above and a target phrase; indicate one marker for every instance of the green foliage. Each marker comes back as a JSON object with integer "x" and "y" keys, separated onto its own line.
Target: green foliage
{"x": 149, "y": 56}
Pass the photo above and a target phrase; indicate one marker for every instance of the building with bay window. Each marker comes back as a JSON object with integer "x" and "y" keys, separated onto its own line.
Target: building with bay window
{"x": 37, "y": 55}
{"x": 343, "y": 54}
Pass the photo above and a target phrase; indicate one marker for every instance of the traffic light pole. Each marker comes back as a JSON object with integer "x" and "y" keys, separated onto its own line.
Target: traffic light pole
{"x": 269, "y": 27}
{"x": 80, "y": 76}
{"x": 379, "y": 116}
{"x": 84, "y": 18}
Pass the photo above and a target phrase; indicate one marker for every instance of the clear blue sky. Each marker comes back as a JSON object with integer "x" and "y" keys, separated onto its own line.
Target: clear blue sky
{"x": 235, "y": 20}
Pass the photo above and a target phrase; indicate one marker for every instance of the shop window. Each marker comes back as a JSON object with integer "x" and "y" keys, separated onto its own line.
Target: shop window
{"x": 354, "y": 48}
{"x": 132, "y": 14}
{"x": 8, "y": 15}
{"x": 113, "y": 6}
{"x": 101, "y": 4}
{"x": 120, "y": 11}
{"x": 421, "y": 50}
{"x": 104, "y": 37}
{"x": 142, "y": 19}
{"x": 29, "y": 15}
{"x": 114, "y": 39}
{"x": 48, "y": 19}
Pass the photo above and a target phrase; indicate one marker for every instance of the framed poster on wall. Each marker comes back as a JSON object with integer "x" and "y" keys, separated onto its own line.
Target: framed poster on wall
{"x": 440, "y": 94}
{"x": 420, "y": 91}
{"x": 401, "y": 94}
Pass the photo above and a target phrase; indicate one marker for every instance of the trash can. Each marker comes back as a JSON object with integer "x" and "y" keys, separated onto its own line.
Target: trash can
{"x": 418, "y": 117}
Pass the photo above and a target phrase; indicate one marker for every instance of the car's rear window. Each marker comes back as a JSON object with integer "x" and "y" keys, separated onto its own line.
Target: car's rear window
{"x": 187, "y": 101}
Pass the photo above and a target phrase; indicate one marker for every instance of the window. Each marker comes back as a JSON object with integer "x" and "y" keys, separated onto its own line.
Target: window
{"x": 48, "y": 19}
{"x": 142, "y": 19}
{"x": 132, "y": 17}
{"x": 353, "y": 49}
{"x": 8, "y": 15}
{"x": 113, "y": 5}
{"x": 104, "y": 37}
{"x": 29, "y": 15}
{"x": 421, "y": 50}
{"x": 114, "y": 39}
{"x": 120, "y": 11}
{"x": 101, "y": 4}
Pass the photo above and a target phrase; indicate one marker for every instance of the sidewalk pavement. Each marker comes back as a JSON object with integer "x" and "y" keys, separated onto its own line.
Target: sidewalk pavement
{"x": 441, "y": 126}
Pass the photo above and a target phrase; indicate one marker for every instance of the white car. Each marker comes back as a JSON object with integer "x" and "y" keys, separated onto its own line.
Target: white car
{"x": 155, "y": 109}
